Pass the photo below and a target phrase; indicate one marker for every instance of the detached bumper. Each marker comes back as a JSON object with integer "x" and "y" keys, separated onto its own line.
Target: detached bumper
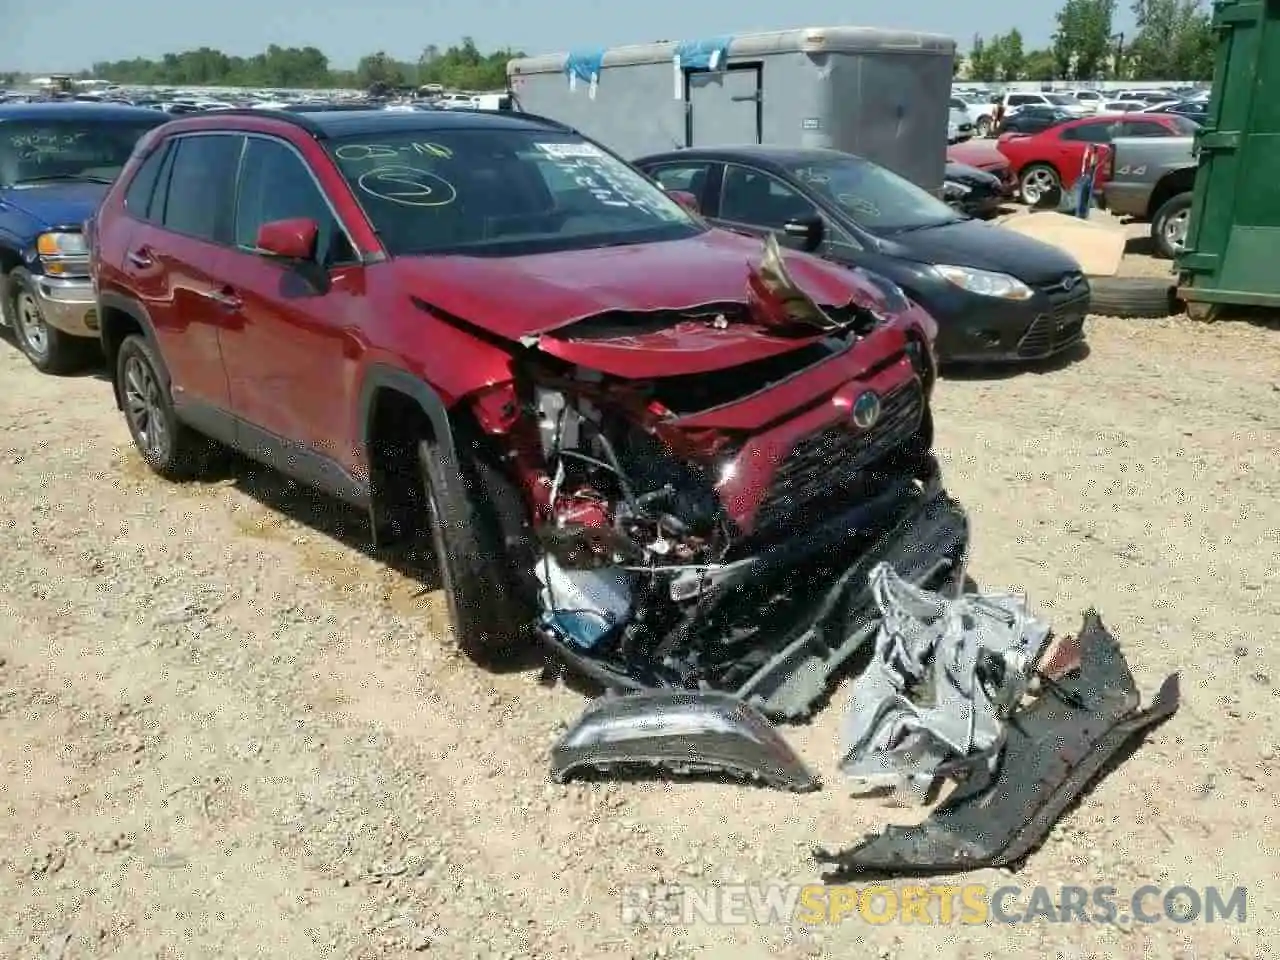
{"x": 1055, "y": 749}
{"x": 68, "y": 305}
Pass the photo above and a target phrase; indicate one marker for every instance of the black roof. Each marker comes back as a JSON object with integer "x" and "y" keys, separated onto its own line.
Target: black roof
{"x": 751, "y": 153}
{"x": 342, "y": 123}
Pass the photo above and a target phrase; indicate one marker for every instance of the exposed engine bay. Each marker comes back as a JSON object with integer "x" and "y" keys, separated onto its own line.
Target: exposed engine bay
{"x": 709, "y": 486}
{"x": 693, "y": 528}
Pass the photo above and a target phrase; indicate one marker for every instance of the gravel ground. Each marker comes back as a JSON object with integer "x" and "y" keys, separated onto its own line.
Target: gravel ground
{"x": 228, "y": 732}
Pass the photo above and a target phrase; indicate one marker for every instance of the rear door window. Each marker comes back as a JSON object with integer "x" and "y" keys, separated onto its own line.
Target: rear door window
{"x": 202, "y": 186}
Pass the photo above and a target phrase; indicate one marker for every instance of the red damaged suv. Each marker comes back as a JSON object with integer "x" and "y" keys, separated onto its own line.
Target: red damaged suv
{"x": 666, "y": 451}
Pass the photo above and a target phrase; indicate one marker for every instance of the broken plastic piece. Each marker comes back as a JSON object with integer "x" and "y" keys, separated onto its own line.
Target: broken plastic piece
{"x": 683, "y": 732}
{"x": 947, "y": 672}
{"x": 776, "y": 300}
{"x": 1053, "y": 751}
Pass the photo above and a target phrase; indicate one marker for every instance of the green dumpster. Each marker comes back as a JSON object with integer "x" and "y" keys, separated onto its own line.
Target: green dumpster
{"x": 1232, "y": 252}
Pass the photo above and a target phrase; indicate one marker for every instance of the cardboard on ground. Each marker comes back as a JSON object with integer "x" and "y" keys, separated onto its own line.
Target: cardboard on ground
{"x": 1097, "y": 245}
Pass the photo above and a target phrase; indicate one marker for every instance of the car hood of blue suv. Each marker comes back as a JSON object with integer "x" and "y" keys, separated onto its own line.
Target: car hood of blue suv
{"x": 54, "y": 204}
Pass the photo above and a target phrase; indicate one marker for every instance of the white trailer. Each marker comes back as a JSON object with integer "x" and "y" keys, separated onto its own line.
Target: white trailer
{"x": 882, "y": 94}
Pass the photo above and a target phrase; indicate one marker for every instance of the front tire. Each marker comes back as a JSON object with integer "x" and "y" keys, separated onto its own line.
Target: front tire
{"x": 1169, "y": 226}
{"x": 170, "y": 448}
{"x": 484, "y": 584}
{"x": 47, "y": 348}
{"x": 983, "y": 126}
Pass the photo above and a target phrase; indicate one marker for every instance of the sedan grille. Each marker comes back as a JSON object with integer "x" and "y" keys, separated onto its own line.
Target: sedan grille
{"x": 1051, "y": 333}
{"x": 839, "y": 460}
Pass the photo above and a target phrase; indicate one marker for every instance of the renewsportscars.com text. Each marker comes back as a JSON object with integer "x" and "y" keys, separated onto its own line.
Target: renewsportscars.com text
{"x": 967, "y": 904}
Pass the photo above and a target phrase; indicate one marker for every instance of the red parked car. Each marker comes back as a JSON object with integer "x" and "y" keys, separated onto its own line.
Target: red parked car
{"x": 984, "y": 155}
{"x": 669, "y": 450}
{"x": 1052, "y": 159}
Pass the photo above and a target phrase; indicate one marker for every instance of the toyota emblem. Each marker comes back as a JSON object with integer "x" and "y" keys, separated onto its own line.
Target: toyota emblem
{"x": 866, "y": 410}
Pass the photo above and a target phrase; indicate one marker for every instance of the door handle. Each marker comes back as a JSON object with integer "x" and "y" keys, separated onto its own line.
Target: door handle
{"x": 141, "y": 258}
{"x": 225, "y": 298}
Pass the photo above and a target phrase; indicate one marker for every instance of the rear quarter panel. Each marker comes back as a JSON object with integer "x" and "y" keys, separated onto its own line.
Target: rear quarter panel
{"x": 1140, "y": 163}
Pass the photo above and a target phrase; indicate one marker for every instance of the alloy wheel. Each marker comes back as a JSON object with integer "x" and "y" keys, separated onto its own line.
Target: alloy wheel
{"x": 144, "y": 407}
{"x": 1035, "y": 185}
{"x": 31, "y": 325}
{"x": 1174, "y": 230}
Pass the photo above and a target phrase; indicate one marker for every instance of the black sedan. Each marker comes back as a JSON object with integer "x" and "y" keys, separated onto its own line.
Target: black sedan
{"x": 1196, "y": 110}
{"x": 996, "y": 295}
{"x": 1033, "y": 119}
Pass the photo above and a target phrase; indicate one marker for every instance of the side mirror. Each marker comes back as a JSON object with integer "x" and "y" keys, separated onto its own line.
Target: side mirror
{"x": 685, "y": 199}
{"x": 293, "y": 239}
{"x": 809, "y": 231}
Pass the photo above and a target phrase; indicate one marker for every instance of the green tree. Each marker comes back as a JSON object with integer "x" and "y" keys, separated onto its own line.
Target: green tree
{"x": 1175, "y": 41}
{"x": 379, "y": 69}
{"x": 1010, "y": 55}
{"x": 1041, "y": 65}
{"x": 982, "y": 63}
{"x": 1082, "y": 41}
{"x": 462, "y": 67}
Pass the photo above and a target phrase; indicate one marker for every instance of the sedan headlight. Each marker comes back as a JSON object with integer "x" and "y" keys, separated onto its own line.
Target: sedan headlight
{"x": 954, "y": 190}
{"x": 61, "y": 245}
{"x": 985, "y": 283}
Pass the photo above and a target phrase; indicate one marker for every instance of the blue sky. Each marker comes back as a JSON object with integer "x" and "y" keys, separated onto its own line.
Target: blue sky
{"x": 72, "y": 34}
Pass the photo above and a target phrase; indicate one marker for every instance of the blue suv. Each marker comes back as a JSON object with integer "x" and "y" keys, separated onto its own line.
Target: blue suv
{"x": 56, "y": 162}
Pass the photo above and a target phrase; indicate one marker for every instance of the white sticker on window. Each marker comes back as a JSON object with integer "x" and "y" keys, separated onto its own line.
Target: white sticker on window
{"x": 564, "y": 150}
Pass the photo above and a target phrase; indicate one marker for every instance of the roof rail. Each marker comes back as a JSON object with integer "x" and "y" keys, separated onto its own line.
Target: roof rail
{"x": 297, "y": 119}
{"x": 536, "y": 117}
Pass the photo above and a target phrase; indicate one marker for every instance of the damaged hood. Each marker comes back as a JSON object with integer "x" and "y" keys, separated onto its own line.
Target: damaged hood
{"x": 515, "y": 297}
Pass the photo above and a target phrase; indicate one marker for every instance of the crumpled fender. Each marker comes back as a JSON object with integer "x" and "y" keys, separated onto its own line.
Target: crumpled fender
{"x": 1053, "y": 751}
{"x": 683, "y": 732}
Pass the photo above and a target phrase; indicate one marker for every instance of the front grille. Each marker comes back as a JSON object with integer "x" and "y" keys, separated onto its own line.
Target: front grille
{"x": 837, "y": 461}
{"x": 1050, "y": 333}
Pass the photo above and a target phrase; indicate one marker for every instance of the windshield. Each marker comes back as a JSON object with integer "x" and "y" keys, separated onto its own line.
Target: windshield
{"x": 1185, "y": 126}
{"x": 503, "y": 192}
{"x": 875, "y": 198}
{"x": 41, "y": 150}
{"x": 1061, "y": 99}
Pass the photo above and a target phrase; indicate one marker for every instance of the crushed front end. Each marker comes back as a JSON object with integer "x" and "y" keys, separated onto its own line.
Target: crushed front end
{"x": 710, "y": 492}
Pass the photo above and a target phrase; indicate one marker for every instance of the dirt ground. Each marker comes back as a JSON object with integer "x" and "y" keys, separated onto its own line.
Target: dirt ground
{"x": 227, "y": 732}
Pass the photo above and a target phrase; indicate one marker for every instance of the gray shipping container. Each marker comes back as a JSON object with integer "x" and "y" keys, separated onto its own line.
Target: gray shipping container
{"x": 882, "y": 94}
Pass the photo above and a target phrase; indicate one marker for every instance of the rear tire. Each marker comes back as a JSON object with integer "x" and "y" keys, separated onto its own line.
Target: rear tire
{"x": 484, "y": 583}
{"x": 1036, "y": 182}
{"x": 1169, "y": 226}
{"x": 170, "y": 448}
